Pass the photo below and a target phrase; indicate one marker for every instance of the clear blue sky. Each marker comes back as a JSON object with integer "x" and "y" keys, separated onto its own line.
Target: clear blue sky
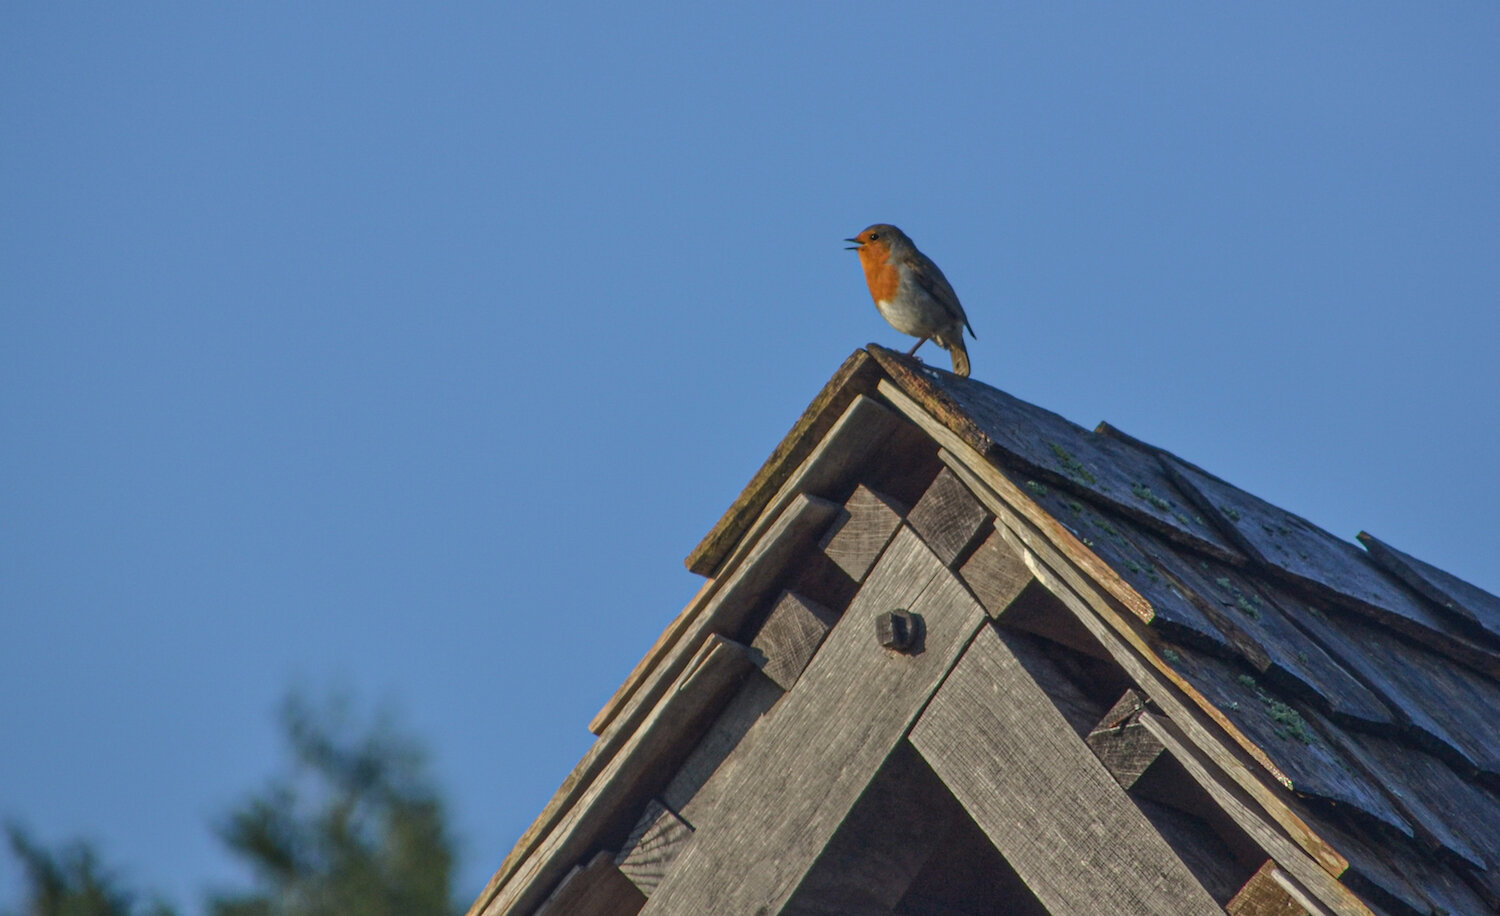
{"x": 409, "y": 349}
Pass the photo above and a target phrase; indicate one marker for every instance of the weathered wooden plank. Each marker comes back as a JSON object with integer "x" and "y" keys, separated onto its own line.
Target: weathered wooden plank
{"x": 659, "y": 836}
{"x": 1446, "y": 707}
{"x": 1284, "y": 655}
{"x": 1242, "y": 809}
{"x": 721, "y": 604}
{"x": 1116, "y": 541}
{"x": 634, "y": 774}
{"x": 1012, "y": 500}
{"x": 1263, "y": 895}
{"x": 1394, "y": 874}
{"x": 790, "y": 636}
{"x": 1051, "y": 672}
{"x": 1057, "y": 451}
{"x": 595, "y": 888}
{"x": 948, "y": 517}
{"x": 993, "y": 736}
{"x": 1471, "y": 603}
{"x": 1310, "y": 764}
{"x": 1110, "y": 609}
{"x": 1125, "y": 746}
{"x": 814, "y": 757}
{"x": 1063, "y": 566}
{"x": 1202, "y": 850}
{"x": 692, "y": 791}
{"x": 1448, "y": 811}
{"x": 995, "y": 574}
{"x": 882, "y": 845}
{"x": 1335, "y": 570}
{"x": 861, "y": 531}
{"x": 804, "y": 518}
{"x": 813, "y": 432}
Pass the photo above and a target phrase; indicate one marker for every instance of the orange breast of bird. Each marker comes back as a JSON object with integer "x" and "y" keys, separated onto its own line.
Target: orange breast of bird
{"x": 880, "y": 273}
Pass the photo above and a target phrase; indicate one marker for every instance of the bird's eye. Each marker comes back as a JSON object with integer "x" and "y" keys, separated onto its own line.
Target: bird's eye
{"x": 874, "y": 236}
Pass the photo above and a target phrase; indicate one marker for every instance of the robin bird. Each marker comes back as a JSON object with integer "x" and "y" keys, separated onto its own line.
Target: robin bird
{"x": 911, "y": 293}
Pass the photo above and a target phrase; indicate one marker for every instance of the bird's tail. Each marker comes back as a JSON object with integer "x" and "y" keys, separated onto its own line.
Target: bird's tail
{"x": 960, "y": 355}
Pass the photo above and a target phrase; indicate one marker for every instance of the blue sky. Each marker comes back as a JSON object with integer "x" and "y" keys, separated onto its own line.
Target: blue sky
{"x": 408, "y": 349}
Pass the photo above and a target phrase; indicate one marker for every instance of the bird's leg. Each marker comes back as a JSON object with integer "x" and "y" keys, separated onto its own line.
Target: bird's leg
{"x": 913, "y": 350}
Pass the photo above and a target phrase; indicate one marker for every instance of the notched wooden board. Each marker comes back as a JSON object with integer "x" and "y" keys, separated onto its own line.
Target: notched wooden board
{"x": 1333, "y": 569}
{"x": 1445, "y": 707}
{"x": 1474, "y": 605}
{"x": 858, "y": 375}
{"x": 1310, "y": 764}
{"x": 1111, "y": 539}
{"x": 1058, "y": 451}
{"x": 1285, "y": 657}
{"x": 1448, "y": 811}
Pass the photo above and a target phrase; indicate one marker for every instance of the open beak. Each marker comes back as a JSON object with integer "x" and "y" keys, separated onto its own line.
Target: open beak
{"x": 856, "y": 246}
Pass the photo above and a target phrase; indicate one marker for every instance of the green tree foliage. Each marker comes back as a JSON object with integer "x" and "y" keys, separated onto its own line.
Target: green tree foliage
{"x": 71, "y": 881}
{"x": 356, "y": 828}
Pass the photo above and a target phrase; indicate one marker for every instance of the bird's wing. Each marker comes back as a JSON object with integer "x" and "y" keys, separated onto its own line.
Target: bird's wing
{"x": 937, "y": 286}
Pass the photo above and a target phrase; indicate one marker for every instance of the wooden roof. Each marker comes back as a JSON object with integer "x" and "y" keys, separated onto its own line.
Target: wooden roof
{"x": 1291, "y": 720}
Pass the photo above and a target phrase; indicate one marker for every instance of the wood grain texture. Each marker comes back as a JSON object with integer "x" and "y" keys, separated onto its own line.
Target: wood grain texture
{"x": 882, "y": 845}
{"x": 1068, "y": 571}
{"x": 1125, "y": 746}
{"x": 1056, "y": 451}
{"x": 1334, "y": 570}
{"x": 1445, "y": 708}
{"x": 995, "y": 574}
{"x": 1116, "y": 541}
{"x": 1449, "y": 812}
{"x": 1262, "y": 635}
{"x": 695, "y": 788}
{"x": 721, "y": 604}
{"x": 1393, "y": 874}
{"x": 1042, "y": 798}
{"x": 655, "y": 842}
{"x": 654, "y": 750}
{"x": 858, "y": 535}
{"x": 856, "y": 376}
{"x": 1263, "y": 895}
{"x": 595, "y": 888}
{"x": 755, "y": 572}
{"x": 1311, "y": 764}
{"x": 948, "y": 517}
{"x": 790, "y": 636}
{"x": 816, "y": 754}
{"x": 1471, "y": 603}
{"x": 976, "y": 471}
{"x": 1243, "y": 809}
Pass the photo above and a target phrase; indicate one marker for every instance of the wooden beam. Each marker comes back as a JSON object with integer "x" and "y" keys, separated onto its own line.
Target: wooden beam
{"x": 812, "y": 442}
{"x": 1091, "y": 605}
{"x": 948, "y": 517}
{"x": 1240, "y": 807}
{"x": 790, "y": 636}
{"x": 812, "y": 760}
{"x": 1017, "y": 503}
{"x": 882, "y": 845}
{"x": 691, "y": 793}
{"x": 655, "y": 842}
{"x": 996, "y": 574}
{"x": 595, "y": 888}
{"x": 1263, "y": 895}
{"x": 795, "y": 527}
{"x": 662, "y": 741}
{"x": 1042, "y": 798}
{"x": 857, "y": 537}
{"x": 1125, "y": 746}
